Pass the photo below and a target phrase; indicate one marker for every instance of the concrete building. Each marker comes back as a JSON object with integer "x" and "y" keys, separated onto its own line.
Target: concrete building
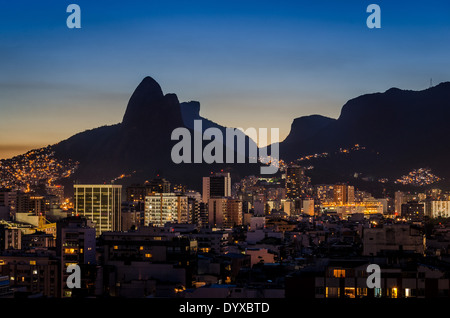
{"x": 13, "y": 238}
{"x": 212, "y": 241}
{"x": 224, "y": 212}
{"x": 324, "y": 193}
{"x": 346, "y": 278}
{"x": 343, "y": 194}
{"x": 162, "y": 208}
{"x": 75, "y": 245}
{"x": 33, "y": 273}
{"x": 216, "y": 185}
{"x": 395, "y": 237}
{"x": 287, "y": 206}
{"x": 101, "y": 203}
{"x": 308, "y": 206}
{"x": 8, "y": 204}
{"x": 38, "y": 240}
{"x": 132, "y": 215}
{"x": 296, "y": 182}
{"x": 434, "y": 209}
{"x": 217, "y": 210}
{"x": 413, "y": 210}
{"x": 147, "y": 262}
{"x": 234, "y": 213}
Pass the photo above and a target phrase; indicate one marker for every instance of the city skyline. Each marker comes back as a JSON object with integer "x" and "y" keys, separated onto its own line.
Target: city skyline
{"x": 268, "y": 240}
{"x": 136, "y": 163}
{"x": 267, "y": 62}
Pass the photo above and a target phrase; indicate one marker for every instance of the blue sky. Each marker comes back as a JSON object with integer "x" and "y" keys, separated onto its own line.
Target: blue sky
{"x": 249, "y": 63}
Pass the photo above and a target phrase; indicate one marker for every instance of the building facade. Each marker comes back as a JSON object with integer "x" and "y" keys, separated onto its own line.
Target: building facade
{"x": 33, "y": 273}
{"x": 395, "y": 237}
{"x": 75, "y": 245}
{"x": 436, "y": 209}
{"x": 295, "y": 181}
{"x": 216, "y": 185}
{"x": 101, "y": 204}
{"x": 162, "y": 208}
{"x": 234, "y": 213}
{"x": 217, "y": 211}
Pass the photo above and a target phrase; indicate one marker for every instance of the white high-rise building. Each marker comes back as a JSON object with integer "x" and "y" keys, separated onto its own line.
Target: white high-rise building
{"x": 161, "y": 208}
{"x": 436, "y": 209}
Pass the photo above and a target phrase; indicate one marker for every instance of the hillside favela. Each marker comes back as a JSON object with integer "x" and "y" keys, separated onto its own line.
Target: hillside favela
{"x": 369, "y": 188}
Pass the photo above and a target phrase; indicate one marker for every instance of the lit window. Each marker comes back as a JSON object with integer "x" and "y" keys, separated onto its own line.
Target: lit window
{"x": 394, "y": 293}
{"x": 408, "y": 292}
{"x": 116, "y": 247}
{"x": 69, "y": 251}
{"x": 141, "y": 248}
{"x": 377, "y": 292}
{"x": 339, "y": 273}
{"x": 349, "y": 292}
{"x": 362, "y": 292}
{"x": 148, "y": 255}
{"x": 32, "y": 262}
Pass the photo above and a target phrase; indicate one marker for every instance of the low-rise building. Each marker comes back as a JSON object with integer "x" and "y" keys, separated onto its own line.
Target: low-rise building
{"x": 35, "y": 273}
{"x": 393, "y": 237}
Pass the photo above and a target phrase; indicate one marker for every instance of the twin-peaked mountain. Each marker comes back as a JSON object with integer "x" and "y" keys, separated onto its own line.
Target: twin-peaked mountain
{"x": 399, "y": 129}
{"x": 140, "y": 146}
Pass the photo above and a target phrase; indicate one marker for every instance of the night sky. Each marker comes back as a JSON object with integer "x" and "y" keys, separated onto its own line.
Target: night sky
{"x": 249, "y": 63}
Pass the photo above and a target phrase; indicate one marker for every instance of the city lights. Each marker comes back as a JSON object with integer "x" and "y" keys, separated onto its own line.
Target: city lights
{"x": 35, "y": 167}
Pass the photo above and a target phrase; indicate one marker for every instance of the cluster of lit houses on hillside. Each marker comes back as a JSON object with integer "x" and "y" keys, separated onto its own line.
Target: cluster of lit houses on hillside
{"x": 33, "y": 168}
{"x": 258, "y": 237}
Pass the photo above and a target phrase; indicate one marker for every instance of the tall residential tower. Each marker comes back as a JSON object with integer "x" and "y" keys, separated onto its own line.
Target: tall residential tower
{"x": 100, "y": 203}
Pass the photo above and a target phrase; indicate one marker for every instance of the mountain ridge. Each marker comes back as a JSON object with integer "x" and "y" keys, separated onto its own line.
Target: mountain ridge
{"x": 401, "y": 130}
{"x": 405, "y": 128}
{"x": 141, "y": 144}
